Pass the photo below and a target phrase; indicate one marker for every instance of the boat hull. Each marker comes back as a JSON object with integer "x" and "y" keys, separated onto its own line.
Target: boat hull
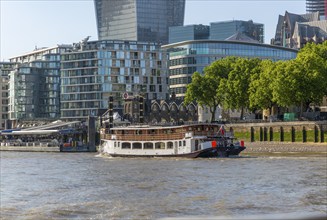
{"x": 205, "y": 153}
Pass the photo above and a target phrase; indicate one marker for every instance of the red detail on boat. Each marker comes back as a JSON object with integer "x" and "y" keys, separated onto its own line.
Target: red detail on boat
{"x": 213, "y": 144}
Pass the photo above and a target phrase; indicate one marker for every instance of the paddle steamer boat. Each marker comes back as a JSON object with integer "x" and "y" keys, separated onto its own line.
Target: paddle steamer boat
{"x": 193, "y": 140}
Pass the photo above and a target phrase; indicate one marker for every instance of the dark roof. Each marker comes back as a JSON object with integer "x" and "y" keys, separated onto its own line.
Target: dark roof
{"x": 293, "y": 18}
{"x": 311, "y": 29}
{"x": 238, "y": 36}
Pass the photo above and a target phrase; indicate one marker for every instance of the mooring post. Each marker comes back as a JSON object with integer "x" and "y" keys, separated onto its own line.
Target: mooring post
{"x": 293, "y": 134}
{"x": 281, "y": 137}
{"x": 304, "y": 135}
{"x": 91, "y": 134}
{"x": 316, "y": 133}
{"x": 271, "y": 134}
{"x": 252, "y": 134}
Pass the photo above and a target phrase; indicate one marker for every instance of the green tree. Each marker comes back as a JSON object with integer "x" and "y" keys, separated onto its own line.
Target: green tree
{"x": 261, "y": 89}
{"x": 312, "y": 59}
{"x": 304, "y": 80}
{"x": 236, "y": 87}
{"x": 204, "y": 88}
{"x": 292, "y": 84}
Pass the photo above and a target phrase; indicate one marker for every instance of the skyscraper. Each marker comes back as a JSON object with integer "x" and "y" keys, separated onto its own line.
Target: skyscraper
{"x": 317, "y": 5}
{"x": 138, "y": 20}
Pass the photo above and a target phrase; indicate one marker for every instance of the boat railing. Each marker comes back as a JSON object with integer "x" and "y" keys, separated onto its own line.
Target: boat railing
{"x": 143, "y": 137}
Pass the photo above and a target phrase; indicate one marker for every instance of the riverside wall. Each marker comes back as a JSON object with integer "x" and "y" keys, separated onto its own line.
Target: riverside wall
{"x": 295, "y": 132}
{"x": 29, "y": 149}
{"x": 270, "y": 137}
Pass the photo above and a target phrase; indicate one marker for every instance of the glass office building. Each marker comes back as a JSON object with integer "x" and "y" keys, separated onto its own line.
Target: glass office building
{"x": 225, "y": 29}
{"x": 317, "y": 5}
{"x": 187, "y": 57}
{"x": 238, "y": 30}
{"x": 100, "y": 69}
{"x": 188, "y": 32}
{"x": 138, "y": 20}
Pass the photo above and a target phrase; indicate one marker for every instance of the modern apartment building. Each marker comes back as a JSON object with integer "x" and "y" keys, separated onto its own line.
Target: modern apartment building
{"x": 187, "y": 57}
{"x": 294, "y": 30}
{"x": 317, "y": 5}
{"x": 5, "y": 68}
{"x": 138, "y": 20}
{"x": 96, "y": 70}
{"x": 34, "y": 84}
{"x": 236, "y": 30}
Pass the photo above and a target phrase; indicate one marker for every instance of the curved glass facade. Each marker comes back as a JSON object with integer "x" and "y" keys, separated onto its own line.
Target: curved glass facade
{"x": 185, "y": 58}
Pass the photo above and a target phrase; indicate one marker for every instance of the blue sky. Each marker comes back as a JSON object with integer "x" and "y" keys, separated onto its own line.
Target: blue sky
{"x": 26, "y": 24}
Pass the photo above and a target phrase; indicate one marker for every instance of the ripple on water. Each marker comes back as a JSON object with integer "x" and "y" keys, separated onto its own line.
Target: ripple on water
{"x": 88, "y": 186}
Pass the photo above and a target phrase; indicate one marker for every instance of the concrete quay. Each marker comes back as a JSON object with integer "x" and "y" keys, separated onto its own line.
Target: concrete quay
{"x": 285, "y": 147}
{"x": 29, "y": 148}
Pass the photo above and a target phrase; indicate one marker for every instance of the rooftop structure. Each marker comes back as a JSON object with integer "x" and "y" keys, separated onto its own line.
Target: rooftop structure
{"x": 226, "y": 30}
{"x": 188, "y": 32}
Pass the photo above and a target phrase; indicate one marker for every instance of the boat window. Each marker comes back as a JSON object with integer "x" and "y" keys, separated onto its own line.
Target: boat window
{"x": 126, "y": 145}
{"x": 148, "y": 145}
{"x": 184, "y": 143}
{"x": 180, "y": 143}
{"x": 196, "y": 144}
{"x": 160, "y": 145}
{"x": 115, "y": 144}
{"x": 137, "y": 146}
{"x": 170, "y": 145}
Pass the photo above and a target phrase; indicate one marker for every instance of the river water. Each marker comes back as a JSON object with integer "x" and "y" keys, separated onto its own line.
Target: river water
{"x": 87, "y": 186}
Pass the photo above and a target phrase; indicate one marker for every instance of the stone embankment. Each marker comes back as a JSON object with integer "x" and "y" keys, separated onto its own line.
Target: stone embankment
{"x": 285, "y": 147}
{"x": 29, "y": 149}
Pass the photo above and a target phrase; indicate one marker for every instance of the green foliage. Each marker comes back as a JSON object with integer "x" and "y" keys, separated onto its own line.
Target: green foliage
{"x": 287, "y": 136}
{"x": 276, "y": 136}
{"x": 236, "y": 87}
{"x": 260, "y": 89}
{"x": 292, "y": 85}
{"x": 313, "y": 62}
{"x": 310, "y": 136}
{"x": 204, "y": 88}
{"x": 246, "y": 136}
